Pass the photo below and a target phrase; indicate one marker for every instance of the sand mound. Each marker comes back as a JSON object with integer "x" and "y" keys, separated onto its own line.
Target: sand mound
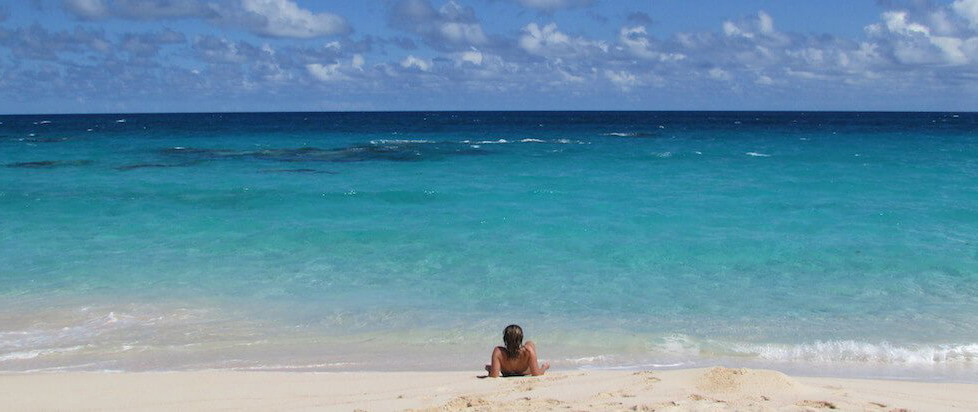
{"x": 747, "y": 381}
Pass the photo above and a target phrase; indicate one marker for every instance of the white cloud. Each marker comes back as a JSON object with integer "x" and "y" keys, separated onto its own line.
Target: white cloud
{"x": 548, "y": 41}
{"x": 89, "y": 9}
{"x": 463, "y": 33}
{"x": 283, "y": 18}
{"x": 141, "y": 9}
{"x": 759, "y": 28}
{"x": 470, "y": 56}
{"x": 416, "y": 62}
{"x": 451, "y": 26}
{"x": 636, "y": 41}
{"x": 967, "y": 9}
{"x": 764, "y": 80}
{"x": 915, "y": 43}
{"x": 623, "y": 79}
{"x": 338, "y": 71}
{"x": 717, "y": 73}
{"x": 551, "y": 5}
{"x": 326, "y": 73}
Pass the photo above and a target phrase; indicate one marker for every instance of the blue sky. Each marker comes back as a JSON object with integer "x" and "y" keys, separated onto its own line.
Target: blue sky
{"x": 80, "y": 56}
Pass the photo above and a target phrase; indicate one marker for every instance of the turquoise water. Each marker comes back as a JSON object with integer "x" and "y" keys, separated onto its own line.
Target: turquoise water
{"x": 821, "y": 243}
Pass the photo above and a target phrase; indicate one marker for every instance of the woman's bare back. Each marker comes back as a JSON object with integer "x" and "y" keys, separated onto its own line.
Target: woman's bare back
{"x": 525, "y": 363}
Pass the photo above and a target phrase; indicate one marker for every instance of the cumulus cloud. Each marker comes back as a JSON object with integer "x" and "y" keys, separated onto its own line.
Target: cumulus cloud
{"x": 967, "y": 9}
{"x": 637, "y": 42}
{"x": 473, "y": 56}
{"x": 552, "y": 5}
{"x": 270, "y": 18}
{"x": 89, "y": 9}
{"x": 912, "y": 42}
{"x": 149, "y": 44}
{"x": 139, "y": 9}
{"x": 445, "y": 46}
{"x": 450, "y": 27}
{"x": 551, "y": 42}
{"x": 213, "y": 49}
{"x": 416, "y": 62}
{"x": 284, "y": 18}
{"x": 338, "y": 71}
{"x": 36, "y": 42}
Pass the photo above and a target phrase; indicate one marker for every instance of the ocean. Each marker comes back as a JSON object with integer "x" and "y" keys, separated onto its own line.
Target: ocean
{"x": 840, "y": 244}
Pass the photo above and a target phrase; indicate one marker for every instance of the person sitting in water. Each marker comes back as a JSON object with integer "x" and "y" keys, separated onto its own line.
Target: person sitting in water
{"x": 515, "y": 359}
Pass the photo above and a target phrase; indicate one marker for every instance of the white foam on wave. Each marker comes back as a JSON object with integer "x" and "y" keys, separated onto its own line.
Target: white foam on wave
{"x": 44, "y": 122}
{"x": 500, "y": 141}
{"x": 35, "y": 353}
{"x": 532, "y": 141}
{"x": 121, "y": 121}
{"x": 620, "y": 134}
{"x": 400, "y": 141}
{"x": 853, "y": 351}
{"x": 756, "y": 154}
{"x": 588, "y": 359}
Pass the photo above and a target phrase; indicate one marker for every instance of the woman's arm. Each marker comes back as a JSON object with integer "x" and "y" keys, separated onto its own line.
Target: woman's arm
{"x": 535, "y": 369}
{"x": 496, "y": 368}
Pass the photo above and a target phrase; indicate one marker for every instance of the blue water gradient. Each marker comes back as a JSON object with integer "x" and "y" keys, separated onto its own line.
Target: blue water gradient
{"x": 813, "y": 241}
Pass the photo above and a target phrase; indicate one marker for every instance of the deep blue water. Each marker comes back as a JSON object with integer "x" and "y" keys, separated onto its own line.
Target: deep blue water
{"x": 807, "y": 241}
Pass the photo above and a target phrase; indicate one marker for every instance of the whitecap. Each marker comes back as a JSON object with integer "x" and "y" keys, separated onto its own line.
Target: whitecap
{"x": 532, "y": 141}
{"x": 588, "y": 359}
{"x": 500, "y": 141}
{"x": 755, "y": 154}
{"x": 399, "y": 141}
{"x": 44, "y": 122}
{"x": 35, "y": 353}
{"x": 121, "y": 121}
{"x": 853, "y": 351}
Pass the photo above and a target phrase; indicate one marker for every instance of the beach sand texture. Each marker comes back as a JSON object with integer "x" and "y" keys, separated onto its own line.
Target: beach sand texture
{"x": 710, "y": 389}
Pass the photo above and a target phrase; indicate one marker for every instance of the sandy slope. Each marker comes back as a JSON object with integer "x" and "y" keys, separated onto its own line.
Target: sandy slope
{"x": 692, "y": 389}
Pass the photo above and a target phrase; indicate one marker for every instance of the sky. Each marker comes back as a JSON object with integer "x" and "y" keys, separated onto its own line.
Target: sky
{"x": 114, "y": 56}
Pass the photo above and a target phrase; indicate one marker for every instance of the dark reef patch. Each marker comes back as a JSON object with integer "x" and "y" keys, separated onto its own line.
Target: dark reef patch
{"x": 392, "y": 152}
{"x": 153, "y": 166}
{"x": 48, "y": 164}
{"x": 311, "y": 171}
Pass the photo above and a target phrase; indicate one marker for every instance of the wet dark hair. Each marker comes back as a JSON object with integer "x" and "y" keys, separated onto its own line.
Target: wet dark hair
{"x": 513, "y": 337}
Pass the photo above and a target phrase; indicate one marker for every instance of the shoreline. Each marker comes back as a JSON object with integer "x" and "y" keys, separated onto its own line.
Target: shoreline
{"x": 716, "y": 388}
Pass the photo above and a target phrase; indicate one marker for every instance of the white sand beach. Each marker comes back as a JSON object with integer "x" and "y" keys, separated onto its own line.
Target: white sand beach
{"x": 708, "y": 389}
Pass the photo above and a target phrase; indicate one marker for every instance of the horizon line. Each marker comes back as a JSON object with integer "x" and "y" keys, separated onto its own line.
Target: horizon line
{"x": 486, "y": 111}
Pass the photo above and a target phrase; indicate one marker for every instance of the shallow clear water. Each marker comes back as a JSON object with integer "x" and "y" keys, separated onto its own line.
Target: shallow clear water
{"x": 839, "y": 243}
